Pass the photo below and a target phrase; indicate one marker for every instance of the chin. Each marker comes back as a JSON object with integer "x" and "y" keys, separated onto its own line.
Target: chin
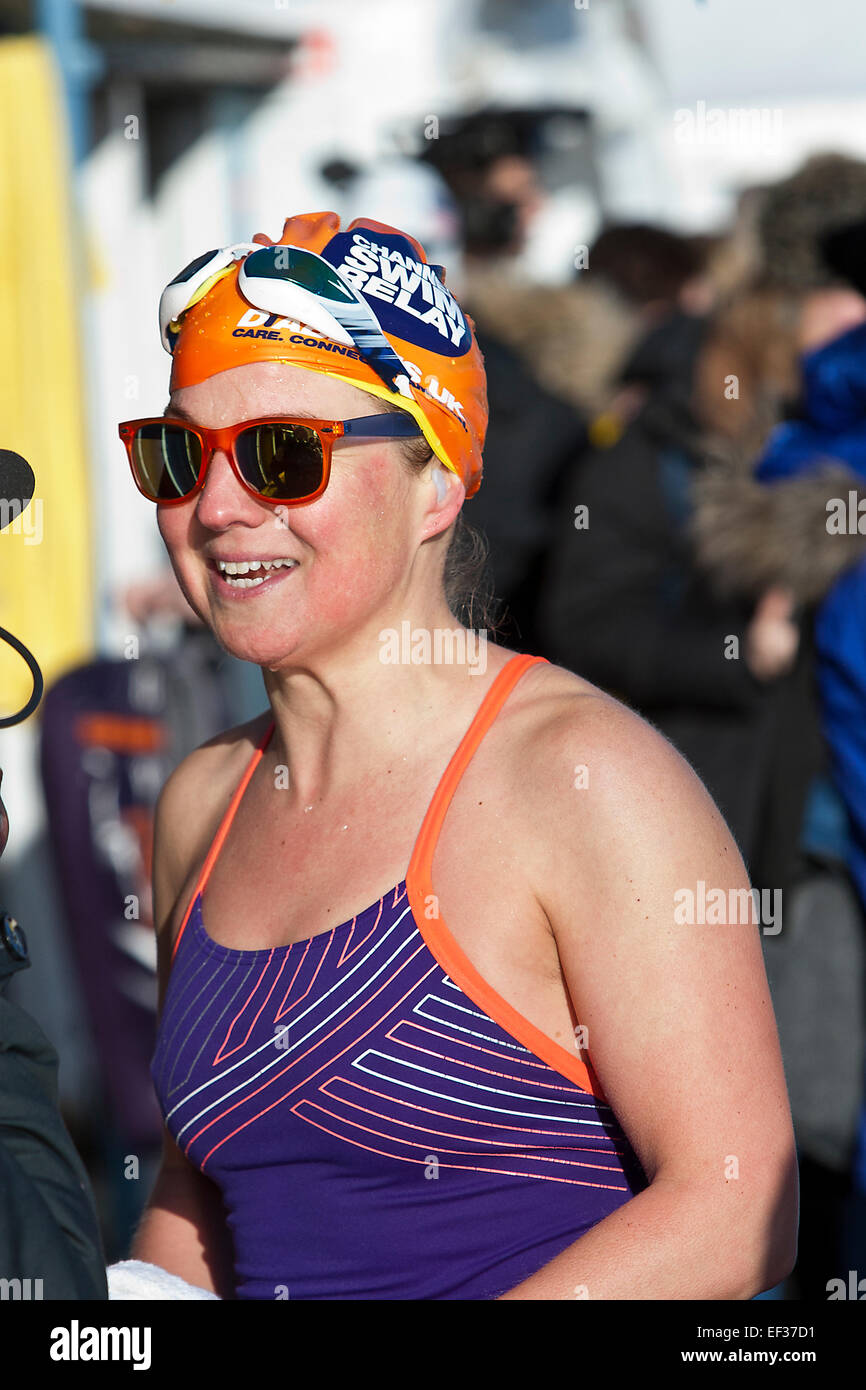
{"x": 271, "y": 643}
{"x": 262, "y": 649}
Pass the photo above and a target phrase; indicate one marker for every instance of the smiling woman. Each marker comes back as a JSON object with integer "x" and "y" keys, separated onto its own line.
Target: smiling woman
{"x": 362, "y": 1102}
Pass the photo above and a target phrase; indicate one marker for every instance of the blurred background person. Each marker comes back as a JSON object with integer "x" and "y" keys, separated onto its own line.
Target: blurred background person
{"x": 788, "y": 493}
{"x": 484, "y": 160}
{"x": 714, "y": 585}
{"x": 622, "y": 600}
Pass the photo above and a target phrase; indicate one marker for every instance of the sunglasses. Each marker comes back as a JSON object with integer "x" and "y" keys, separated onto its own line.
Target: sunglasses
{"x": 282, "y": 460}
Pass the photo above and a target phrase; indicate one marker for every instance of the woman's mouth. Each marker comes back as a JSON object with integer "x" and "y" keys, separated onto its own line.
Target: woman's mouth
{"x": 245, "y": 576}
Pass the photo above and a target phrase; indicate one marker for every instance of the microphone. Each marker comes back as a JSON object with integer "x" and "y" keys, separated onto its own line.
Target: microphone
{"x": 17, "y": 485}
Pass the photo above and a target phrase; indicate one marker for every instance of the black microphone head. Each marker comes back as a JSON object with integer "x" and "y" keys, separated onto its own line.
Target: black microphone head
{"x": 17, "y": 484}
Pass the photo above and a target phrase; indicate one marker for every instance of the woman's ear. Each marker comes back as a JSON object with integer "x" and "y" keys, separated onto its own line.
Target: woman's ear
{"x": 450, "y": 494}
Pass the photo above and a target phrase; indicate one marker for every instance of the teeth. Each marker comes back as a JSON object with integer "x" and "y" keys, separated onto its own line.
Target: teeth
{"x": 233, "y": 570}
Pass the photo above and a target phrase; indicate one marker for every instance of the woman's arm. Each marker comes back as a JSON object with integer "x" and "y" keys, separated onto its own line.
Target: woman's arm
{"x": 183, "y": 1227}
{"x": 681, "y": 1031}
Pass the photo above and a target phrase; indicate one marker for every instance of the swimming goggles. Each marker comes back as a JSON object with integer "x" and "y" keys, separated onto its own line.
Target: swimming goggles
{"x": 293, "y": 282}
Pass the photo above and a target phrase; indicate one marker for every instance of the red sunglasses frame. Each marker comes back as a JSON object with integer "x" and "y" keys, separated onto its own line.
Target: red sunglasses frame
{"x": 386, "y": 426}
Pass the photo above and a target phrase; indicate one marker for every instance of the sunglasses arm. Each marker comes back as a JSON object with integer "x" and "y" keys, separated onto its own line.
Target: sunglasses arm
{"x": 389, "y": 426}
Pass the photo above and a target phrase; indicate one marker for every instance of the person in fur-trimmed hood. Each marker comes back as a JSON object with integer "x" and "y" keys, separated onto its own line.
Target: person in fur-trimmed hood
{"x": 794, "y": 519}
{"x": 786, "y": 518}
{"x": 681, "y": 548}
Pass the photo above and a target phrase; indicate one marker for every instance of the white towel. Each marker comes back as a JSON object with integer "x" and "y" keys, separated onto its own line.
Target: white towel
{"x": 135, "y": 1279}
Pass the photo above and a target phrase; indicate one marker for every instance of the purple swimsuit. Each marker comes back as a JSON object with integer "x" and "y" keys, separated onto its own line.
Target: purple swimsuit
{"x": 380, "y": 1122}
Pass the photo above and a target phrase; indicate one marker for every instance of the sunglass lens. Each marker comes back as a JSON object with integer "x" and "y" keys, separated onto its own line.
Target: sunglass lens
{"x": 167, "y": 460}
{"x": 283, "y": 462}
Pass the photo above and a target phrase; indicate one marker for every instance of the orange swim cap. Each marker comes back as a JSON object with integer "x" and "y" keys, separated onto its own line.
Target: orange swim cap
{"x": 446, "y": 392}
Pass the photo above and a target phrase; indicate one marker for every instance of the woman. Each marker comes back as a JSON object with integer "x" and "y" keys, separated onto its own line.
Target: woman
{"x": 562, "y": 1093}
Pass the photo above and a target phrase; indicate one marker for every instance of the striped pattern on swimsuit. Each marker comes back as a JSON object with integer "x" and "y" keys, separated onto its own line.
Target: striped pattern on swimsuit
{"x": 380, "y": 1122}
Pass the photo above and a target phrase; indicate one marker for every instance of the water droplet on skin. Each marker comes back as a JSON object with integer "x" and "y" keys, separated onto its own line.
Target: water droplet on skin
{"x": 345, "y": 827}
{"x": 307, "y": 808}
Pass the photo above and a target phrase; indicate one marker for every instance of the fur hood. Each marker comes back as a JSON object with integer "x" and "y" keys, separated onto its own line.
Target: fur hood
{"x": 827, "y": 192}
{"x": 572, "y": 338}
{"x": 750, "y": 535}
{"x": 779, "y": 527}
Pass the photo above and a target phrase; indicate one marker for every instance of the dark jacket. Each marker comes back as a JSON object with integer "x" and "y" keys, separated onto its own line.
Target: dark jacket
{"x": 533, "y": 436}
{"x": 49, "y": 1234}
{"x": 624, "y": 605}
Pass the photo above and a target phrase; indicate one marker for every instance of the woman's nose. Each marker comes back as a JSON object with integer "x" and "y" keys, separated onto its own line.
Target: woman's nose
{"x": 223, "y": 501}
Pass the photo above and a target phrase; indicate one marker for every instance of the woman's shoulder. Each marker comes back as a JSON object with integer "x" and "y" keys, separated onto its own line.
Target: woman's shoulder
{"x": 555, "y": 704}
{"x": 568, "y": 736}
{"x": 197, "y": 793}
{"x": 599, "y": 801}
{"x": 206, "y": 770}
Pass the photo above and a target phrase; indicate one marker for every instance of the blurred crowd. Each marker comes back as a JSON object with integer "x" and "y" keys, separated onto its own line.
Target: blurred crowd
{"x": 672, "y": 499}
{"x": 671, "y": 508}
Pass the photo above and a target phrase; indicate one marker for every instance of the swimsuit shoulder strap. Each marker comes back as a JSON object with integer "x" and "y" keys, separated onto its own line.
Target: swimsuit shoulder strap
{"x": 219, "y": 838}
{"x": 503, "y": 684}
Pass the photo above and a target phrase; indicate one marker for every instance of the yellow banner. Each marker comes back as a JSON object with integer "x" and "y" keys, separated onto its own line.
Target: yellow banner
{"x": 45, "y": 572}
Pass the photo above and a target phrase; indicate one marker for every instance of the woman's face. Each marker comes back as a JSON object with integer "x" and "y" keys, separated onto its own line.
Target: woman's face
{"x": 826, "y": 314}
{"x": 353, "y": 546}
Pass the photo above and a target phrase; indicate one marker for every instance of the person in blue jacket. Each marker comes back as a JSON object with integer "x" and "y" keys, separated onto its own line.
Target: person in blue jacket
{"x": 832, "y": 429}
